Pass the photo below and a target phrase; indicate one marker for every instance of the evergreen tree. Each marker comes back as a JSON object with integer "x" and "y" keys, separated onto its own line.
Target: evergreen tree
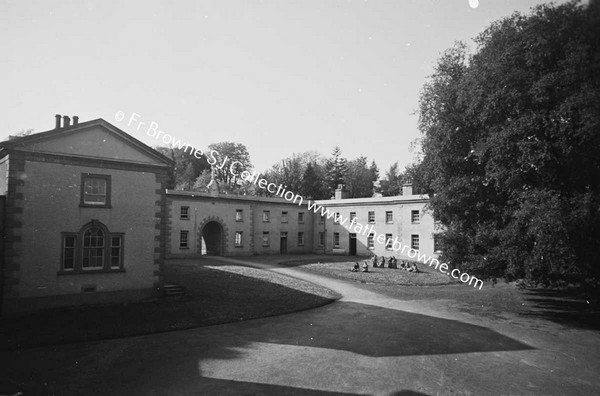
{"x": 312, "y": 182}
{"x": 336, "y": 170}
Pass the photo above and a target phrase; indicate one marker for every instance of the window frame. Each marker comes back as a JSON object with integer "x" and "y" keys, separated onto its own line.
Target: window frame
{"x": 284, "y": 217}
{"x": 371, "y": 213}
{"x": 239, "y": 215}
{"x": 336, "y": 235}
{"x": 371, "y": 241}
{"x": 414, "y": 237}
{"x": 300, "y": 238}
{"x": 389, "y": 217}
{"x": 107, "y": 179}
{"x": 388, "y": 241}
{"x": 241, "y": 239}
{"x": 79, "y": 246}
{"x": 300, "y": 217}
{"x": 187, "y": 213}
{"x": 266, "y": 242}
{"x": 266, "y": 216}
{"x": 187, "y": 239}
{"x": 412, "y": 216}
{"x": 321, "y": 241}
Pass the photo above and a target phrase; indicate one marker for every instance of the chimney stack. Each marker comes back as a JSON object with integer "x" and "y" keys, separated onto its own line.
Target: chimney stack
{"x": 341, "y": 192}
{"x": 58, "y": 117}
{"x": 75, "y": 120}
{"x": 407, "y": 188}
{"x": 66, "y": 121}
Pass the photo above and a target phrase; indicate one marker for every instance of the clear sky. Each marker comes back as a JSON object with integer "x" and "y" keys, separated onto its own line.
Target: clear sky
{"x": 280, "y": 77}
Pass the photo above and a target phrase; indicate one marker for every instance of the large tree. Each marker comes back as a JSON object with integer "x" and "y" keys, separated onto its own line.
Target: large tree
{"x": 511, "y": 149}
{"x": 360, "y": 178}
{"x": 228, "y": 160}
{"x": 186, "y": 169}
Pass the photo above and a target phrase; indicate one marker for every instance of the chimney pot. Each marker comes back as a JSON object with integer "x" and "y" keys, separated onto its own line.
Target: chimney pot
{"x": 58, "y": 117}
{"x": 75, "y": 120}
{"x": 66, "y": 121}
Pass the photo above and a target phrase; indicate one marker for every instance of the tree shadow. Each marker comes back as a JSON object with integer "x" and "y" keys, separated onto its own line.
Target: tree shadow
{"x": 564, "y": 308}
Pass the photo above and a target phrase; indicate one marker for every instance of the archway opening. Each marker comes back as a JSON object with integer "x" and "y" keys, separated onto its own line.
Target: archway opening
{"x": 212, "y": 239}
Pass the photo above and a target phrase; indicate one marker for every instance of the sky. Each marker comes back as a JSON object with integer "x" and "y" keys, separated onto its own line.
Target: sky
{"x": 281, "y": 77}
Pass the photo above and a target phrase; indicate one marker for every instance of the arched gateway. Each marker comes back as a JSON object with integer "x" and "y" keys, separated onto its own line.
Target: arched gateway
{"x": 212, "y": 237}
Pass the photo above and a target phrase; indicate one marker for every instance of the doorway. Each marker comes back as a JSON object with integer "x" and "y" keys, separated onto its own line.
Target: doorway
{"x": 212, "y": 239}
{"x": 283, "y": 243}
{"x": 352, "y": 245}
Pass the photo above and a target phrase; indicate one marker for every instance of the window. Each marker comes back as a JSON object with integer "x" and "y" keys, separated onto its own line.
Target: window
{"x": 371, "y": 217}
{"x": 238, "y": 238}
{"x": 337, "y": 218}
{"x": 184, "y": 213}
{"x": 414, "y": 216}
{"x": 414, "y": 242}
{"x": 239, "y": 215}
{"x": 93, "y": 248}
{"x": 352, "y": 216}
{"x": 322, "y": 219}
{"x": 69, "y": 245}
{"x": 266, "y": 216}
{"x": 300, "y": 217}
{"x": 183, "y": 239}
{"x": 388, "y": 241}
{"x": 116, "y": 252}
{"x": 336, "y": 239}
{"x": 371, "y": 241}
{"x": 284, "y": 217}
{"x": 300, "y": 239}
{"x": 265, "y": 238}
{"x": 95, "y": 190}
{"x": 389, "y": 217}
{"x": 321, "y": 238}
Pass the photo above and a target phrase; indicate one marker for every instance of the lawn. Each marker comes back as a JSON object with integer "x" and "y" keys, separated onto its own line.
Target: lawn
{"x": 387, "y": 276}
{"x": 213, "y": 296}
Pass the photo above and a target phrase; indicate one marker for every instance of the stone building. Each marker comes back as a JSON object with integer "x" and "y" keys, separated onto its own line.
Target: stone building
{"x": 231, "y": 225}
{"x": 86, "y": 217}
{"x": 72, "y": 230}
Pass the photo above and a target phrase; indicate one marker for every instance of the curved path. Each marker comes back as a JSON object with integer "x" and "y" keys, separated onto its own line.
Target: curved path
{"x": 365, "y": 343}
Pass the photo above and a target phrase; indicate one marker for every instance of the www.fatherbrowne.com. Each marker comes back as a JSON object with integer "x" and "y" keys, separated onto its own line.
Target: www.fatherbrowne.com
{"x": 357, "y": 227}
{"x": 280, "y": 190}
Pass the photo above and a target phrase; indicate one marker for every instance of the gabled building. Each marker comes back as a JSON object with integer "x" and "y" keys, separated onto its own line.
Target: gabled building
{"x": 85, "y": 216}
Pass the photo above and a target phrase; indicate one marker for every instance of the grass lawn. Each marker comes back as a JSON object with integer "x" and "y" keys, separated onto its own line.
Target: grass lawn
{"x": 387, "y": 276}
{"x": 213, "y": 296}
{"x": 497, "y": 301}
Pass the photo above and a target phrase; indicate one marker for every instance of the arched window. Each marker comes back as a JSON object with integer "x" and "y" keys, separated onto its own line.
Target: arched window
{"x": 92, "y": 249}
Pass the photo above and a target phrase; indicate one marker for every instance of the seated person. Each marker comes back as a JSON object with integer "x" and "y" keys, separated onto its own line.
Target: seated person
{"x": 391, "y": 262}
{"x": 382, "y": 264}
{"x": 355, "y": 268}
{"x": 395, "y": 262}
{"x": 374, "y": 259}
{"x": 414, "y": 268}
{"x": 365, "y": 267}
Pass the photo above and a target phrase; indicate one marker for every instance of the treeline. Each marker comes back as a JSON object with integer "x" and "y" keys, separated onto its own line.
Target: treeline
{"x": 309, "y": 174}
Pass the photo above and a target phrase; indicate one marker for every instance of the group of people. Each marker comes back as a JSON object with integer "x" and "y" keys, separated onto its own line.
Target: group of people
{"x": 356, "y": 267}
{"x": 393, "y": 263}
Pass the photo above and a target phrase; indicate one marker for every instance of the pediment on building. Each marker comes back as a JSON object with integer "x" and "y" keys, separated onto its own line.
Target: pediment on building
{"x": 95, "y": 139}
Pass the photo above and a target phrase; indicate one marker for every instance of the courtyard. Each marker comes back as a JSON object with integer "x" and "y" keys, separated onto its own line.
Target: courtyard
{"x": 300, "y": 325}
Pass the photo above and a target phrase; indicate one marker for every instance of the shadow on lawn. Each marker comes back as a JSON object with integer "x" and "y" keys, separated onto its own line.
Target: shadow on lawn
{"x": 563, "y": 308}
